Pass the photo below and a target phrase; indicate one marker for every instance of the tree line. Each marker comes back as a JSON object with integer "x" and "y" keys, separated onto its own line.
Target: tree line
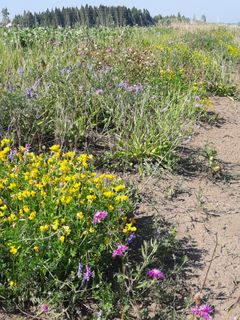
{"x": 85, "y": 16}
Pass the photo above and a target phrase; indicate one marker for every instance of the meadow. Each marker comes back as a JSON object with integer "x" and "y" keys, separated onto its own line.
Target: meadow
{"x": 78, "y": 107}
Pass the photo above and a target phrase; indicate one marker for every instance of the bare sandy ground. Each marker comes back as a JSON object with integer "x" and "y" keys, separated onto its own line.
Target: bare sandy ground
{"x": 206, "y": 209}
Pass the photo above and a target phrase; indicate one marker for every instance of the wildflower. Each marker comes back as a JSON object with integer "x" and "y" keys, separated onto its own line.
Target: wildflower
{"x": 99, "y": 216}
{"x": 55, "y": 148}
{"x": 12, "y": 284}
{"x": 131, "y": 238}
{"x": 155, "y": 274}
{"x": 12, "y": 154}
{"x": 120, "y": 250}
{"x": 202, "y": 311}
{"x": 99, "y": 92}
{"x": 13, "y": 250}
{"x": 123, "y": 84}
{"x": 62, "y": 239}
{"x": 87, "y": 275}
{"x": 28, "y": 93}
{"x": 129, "y": 228}
{"x": 80, "y": 270}
{"x": 36, "y": 249}
{"x": 80, "y": 215}
{"x": 45, "y": 308}
{"x": 91, "y": 197}
{"x": 21, "y": 71}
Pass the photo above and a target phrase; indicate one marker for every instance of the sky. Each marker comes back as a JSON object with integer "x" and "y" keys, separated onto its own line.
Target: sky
{"x": 227, "y": 11}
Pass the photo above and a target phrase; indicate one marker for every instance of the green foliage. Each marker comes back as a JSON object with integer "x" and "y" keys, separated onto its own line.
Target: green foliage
{"x": 128, "y": 94}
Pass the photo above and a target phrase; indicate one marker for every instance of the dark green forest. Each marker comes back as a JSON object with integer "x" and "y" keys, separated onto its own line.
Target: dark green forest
{"x": 89, "y": 16}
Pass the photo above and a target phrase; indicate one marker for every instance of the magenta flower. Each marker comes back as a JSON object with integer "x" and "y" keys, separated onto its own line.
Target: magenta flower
{"x": 120, "y": 250}
{"x": 155, "y": 274}
{"x": 202, "y": 312}
{"x": 99, "y": 216}
{"x": 45, "y": 308}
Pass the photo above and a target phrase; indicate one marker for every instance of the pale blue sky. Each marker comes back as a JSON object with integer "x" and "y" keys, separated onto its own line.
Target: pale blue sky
{"x": 215, "y": 10}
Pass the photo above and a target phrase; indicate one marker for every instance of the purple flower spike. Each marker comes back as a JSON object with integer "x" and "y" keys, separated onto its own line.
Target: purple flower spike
{"x": 87, "y": 274}
{"x": 121, "y": 249}
{"x": 27, "y": 147}
{"x": 155, "y": 274}
{"x": 99, "y": 216}
{"x": 131, "y": 238}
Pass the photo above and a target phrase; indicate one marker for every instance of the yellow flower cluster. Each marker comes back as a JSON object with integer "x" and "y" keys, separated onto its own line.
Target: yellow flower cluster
{"x": 52, "y": 198}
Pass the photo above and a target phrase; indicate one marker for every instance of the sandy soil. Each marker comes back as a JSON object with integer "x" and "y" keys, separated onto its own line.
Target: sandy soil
{"x": 206, "y": 209}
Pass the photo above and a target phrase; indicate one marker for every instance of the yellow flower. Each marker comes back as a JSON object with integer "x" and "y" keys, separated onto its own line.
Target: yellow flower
{"x": 12, "y": 284}
{"x": 55, "y": 148}
{"x": 80, "y": 215}
{"x": 36, "y": 249}
{"x": 91, "y": 197}
{"x": 119, "y": 187}
{"x": 12, "y": 217}
{"x": 67, "y": 230}
{"x": 32, "y": 216}
{"x": 55, "y": 224}
{"x": 108, "y": 194}
{"x": 110, "y": 208}
{"x": 91, "y": 230}
{"x": 5, "y": 141}
{"x": 44, "y": 228}
{"x": 129, "y": 228}
{"x": 26, "y": 209}
{"x": 13, "y": 250}
{"x": 121, "y": 198}
{"x": 62, "y": 239}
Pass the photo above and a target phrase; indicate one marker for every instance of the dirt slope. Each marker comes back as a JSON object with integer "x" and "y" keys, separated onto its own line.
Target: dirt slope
{"x": 206, "y": 210}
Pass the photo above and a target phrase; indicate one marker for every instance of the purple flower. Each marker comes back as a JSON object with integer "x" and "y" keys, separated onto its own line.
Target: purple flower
{"x": 124, "y": 84}
{"x": 155, "y": 274}
{"x": 109, "y": 50}
{"x": 21, "y": 71}
{"x": 99, "y": 92}
{"x": 99, "y": 216}
{"x": 197, "y": 98}
{"x": 131, "y": 238}
{"x": 120, "y": 250}
{"x": 27, "y": 147}
{"x": 202, "y": 311}
{"x": 12, "y": 154}
{"x": 80, "y": 270}
{"x": 87, "y": 275}
{"x": 136, "y": 88}
{"x": 45, "y": 308}
{"x": 28, "y": 93}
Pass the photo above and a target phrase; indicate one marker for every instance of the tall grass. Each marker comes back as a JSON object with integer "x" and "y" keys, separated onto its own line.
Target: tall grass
{"x": 130, "y": 92}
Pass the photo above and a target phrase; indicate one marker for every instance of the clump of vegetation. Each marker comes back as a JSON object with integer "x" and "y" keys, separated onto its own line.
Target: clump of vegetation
{"x": 131, "y": 94}
{"x": 65, "y": 235}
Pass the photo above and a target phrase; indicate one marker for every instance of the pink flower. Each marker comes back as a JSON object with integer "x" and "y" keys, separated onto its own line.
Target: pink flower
{"x": 203, "y": 311}
{"x": 99, "y": 216}
{"x": 155, "y": 274}
{"x": 45, "y": 308}
{"x": 120, "y": 250}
